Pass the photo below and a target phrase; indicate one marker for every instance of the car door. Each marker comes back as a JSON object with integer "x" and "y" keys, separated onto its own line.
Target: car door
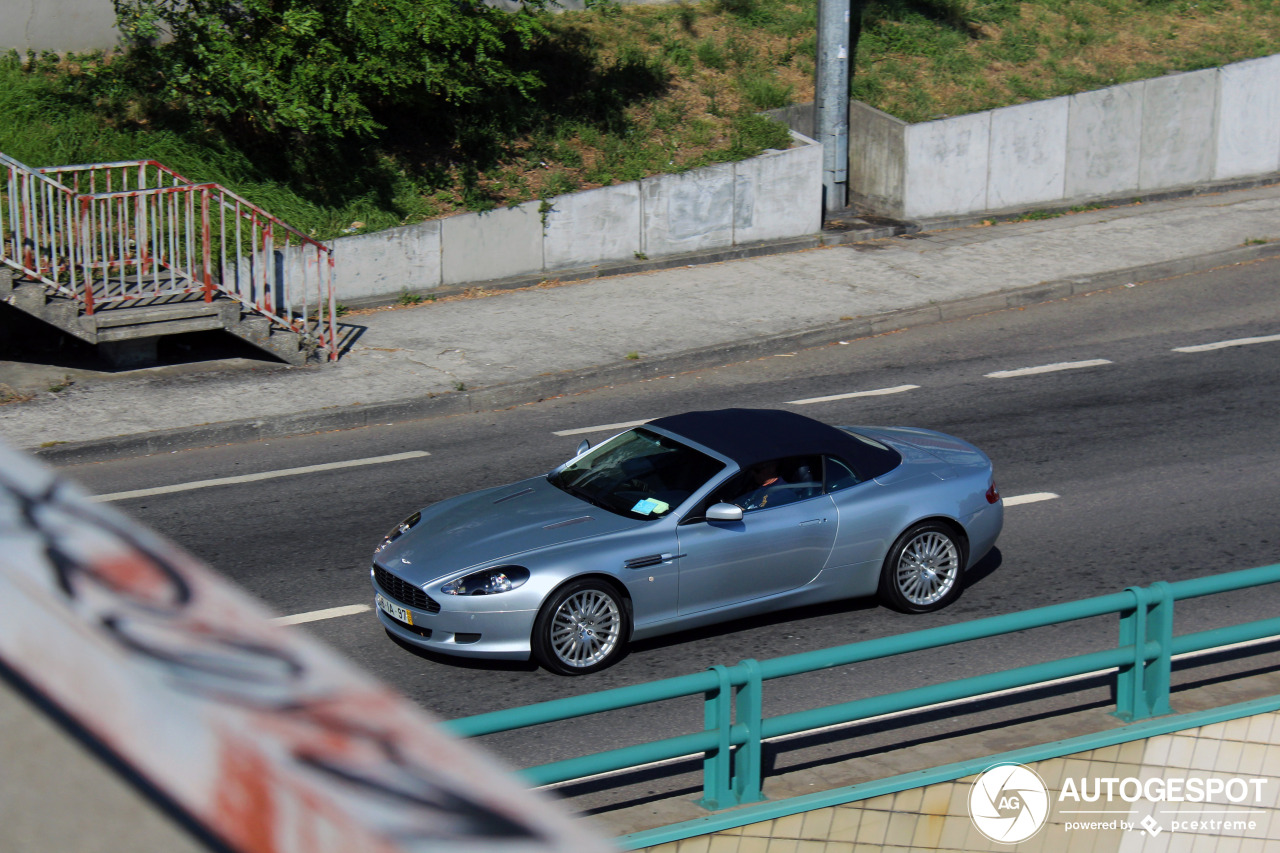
{"x": 774, "y": 548}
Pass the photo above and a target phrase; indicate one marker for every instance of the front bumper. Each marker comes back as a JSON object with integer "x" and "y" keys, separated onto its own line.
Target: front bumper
{"x": 499, "y": 634}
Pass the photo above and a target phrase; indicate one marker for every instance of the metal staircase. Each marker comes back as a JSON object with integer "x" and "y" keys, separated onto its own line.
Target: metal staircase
{"x": 121, "y": 254}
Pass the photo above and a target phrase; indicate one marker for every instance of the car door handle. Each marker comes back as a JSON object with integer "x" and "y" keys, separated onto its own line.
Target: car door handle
{"x": 813, "y": 521}
{"x": 650, "y": 560}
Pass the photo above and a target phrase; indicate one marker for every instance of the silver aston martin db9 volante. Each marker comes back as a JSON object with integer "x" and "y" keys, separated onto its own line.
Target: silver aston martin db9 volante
{"x": 688, "y": 520}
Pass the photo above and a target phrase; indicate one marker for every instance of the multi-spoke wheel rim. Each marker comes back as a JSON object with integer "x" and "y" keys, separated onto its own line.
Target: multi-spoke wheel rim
{"x": 928, "y": 568}
{"x": 586, "y": 628}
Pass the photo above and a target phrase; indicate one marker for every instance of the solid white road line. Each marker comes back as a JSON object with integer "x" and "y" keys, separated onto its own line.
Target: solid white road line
{"x": 879, "y": 392}
{"x": 604, "y": 428}
{"x": 1035, "y": 497}
{"x": 1047, "y": 368}
{"x": 1238, "y": 342}
{"x": 317, "y": 615}
{"x": 265, "y": 475}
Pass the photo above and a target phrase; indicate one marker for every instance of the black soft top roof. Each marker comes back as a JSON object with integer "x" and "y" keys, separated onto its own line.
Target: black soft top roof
{"x": 749, "y": 436}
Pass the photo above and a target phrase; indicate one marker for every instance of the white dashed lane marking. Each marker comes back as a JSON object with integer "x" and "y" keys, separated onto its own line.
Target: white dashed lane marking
{"x": 264, "y": 475}
{"x": 879, "y": 392}
{"x": 603, "y": 428}
{"x": 1035, "y": 497}
{"x": 1047, "y": 368}
{"x": 1238, "y": 342}
{"x": 317, "y": 615}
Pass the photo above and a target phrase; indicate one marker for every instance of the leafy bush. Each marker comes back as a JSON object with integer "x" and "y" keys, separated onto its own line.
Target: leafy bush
{"x": 326, "y": 68}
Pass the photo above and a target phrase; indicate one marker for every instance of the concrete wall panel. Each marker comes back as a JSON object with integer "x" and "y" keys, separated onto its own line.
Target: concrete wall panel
{"x": 778, "y": 194}
{"x": 946, "y": 166}
{"x": 388, "y": 262}
{"x": 1178, "y": 114}
{"x": 877, "y": 159}
{"x": 1104, "y": 138}
{"x": 593, "y": 227}
{"x": 798, "y": 117}
{"x": 1028, "y": 154}
{"x": 688, "y": 212}
{"x": 1248, "y": 118}
{"x": 496, "y": 244}
{"x": 60, "y": 25}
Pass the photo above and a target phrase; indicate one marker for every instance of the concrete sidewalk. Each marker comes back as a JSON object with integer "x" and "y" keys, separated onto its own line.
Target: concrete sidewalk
{"x": 475, "y": 351}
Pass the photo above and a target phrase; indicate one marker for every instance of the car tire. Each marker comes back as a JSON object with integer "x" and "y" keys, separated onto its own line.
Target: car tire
{"x": 582, "y": 628}
{"x": 924, "y": 570}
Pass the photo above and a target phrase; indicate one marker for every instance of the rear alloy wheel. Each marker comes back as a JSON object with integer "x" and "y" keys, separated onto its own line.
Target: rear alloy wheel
{"x": 582, "y": 628}
{"x": 924, "y": 569}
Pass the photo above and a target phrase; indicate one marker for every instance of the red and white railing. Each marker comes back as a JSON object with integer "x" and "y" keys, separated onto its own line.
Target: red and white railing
{"x": 109, "y": 234}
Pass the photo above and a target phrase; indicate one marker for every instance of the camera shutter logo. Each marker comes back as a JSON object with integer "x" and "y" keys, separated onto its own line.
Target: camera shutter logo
{"x": 1009, "y": 803}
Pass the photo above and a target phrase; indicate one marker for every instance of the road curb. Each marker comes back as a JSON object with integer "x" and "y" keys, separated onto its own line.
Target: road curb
{"x": 586, "y": 379}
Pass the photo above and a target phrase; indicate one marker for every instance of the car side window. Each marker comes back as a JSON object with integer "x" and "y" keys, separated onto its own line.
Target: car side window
{"x": 773, "y": 483}
{"x": 839, "y": 475}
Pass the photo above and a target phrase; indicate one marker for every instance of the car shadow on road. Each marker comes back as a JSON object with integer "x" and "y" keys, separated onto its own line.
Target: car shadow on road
{"x": 478, "y": 664}
{"x": 983, "y": 568}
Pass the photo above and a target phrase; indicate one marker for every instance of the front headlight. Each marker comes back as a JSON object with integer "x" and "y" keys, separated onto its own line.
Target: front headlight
{"x": 488, "y": 582}
{"x": 399, "y": 530}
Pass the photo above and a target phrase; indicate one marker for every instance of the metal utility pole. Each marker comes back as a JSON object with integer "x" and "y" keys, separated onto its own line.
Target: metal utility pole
{"x": 831, "y": 101}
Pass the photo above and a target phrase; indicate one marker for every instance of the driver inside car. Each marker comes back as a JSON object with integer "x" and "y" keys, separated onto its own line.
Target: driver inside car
{"x": 763, "y": 494}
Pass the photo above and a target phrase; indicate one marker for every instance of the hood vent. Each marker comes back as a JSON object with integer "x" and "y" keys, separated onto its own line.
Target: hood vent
{"x": 560, "y": 524}
{"x": 514, "y": 495}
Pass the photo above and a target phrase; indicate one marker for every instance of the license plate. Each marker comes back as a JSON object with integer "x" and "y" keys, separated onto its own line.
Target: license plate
{"x": 395, "y": 611}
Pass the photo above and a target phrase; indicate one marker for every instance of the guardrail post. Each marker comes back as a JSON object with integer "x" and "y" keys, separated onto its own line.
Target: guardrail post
{"x": 717, "y": 791}
{"x": 1142, "y": 688}
{"x": 206, "y": 247}
{"x": 750, "y": 716}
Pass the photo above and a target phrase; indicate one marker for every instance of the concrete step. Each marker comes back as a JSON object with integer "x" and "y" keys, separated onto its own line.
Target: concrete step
{"x": 115, "y": 317}
{"x": 285, "y": 344}
{"x": 127, "y": 333}
{"x": 32, "y": 297}
{"x": 153, "y": 321}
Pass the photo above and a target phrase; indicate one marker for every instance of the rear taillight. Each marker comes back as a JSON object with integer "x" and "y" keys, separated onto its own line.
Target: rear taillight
{"x": 993, "y": 493}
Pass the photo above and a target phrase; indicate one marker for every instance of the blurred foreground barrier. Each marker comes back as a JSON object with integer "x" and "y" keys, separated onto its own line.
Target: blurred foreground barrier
{"x": 254, "y": 737}
{"x": 734, "y": 724}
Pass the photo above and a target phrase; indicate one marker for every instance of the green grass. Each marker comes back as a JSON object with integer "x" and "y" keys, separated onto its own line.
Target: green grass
{"x": 636, "y": 91}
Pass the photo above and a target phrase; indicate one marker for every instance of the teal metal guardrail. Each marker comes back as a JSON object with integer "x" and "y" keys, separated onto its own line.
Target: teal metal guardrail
{"x": 734, "y": 725}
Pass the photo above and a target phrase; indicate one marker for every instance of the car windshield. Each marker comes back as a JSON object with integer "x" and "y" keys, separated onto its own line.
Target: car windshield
{"x": 639, "y": 474}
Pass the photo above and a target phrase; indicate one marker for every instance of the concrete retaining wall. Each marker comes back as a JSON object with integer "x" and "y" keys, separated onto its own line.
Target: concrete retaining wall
{"x": 1174, "y": 131}
{"x": 773, "y": 196}
{"x": 61, "y": 25}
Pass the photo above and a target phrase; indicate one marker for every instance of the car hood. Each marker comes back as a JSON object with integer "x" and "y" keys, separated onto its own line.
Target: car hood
{"x": 495, "y": 524}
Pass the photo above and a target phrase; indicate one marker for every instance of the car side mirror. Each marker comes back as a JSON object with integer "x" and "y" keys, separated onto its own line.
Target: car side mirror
{"x": 724, "y": 512}
{"x": 583, "y": 447}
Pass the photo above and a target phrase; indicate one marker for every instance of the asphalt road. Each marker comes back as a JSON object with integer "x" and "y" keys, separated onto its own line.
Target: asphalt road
{"x": 1163, "y": 463}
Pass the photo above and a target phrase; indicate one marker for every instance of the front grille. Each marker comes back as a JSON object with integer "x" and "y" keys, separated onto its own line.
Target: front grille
{"x": 403, "y": 591}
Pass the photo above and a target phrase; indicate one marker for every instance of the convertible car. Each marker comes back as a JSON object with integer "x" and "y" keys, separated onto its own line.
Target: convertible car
{"x": 685, "y": 521}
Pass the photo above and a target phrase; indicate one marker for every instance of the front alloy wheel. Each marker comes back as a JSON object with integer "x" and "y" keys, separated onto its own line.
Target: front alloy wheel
{"x": 924, "y": 569}
{"x": 582, "y": 629}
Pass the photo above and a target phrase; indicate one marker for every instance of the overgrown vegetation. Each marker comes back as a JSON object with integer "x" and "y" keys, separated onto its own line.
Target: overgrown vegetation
{"x": 352, "y": 115}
